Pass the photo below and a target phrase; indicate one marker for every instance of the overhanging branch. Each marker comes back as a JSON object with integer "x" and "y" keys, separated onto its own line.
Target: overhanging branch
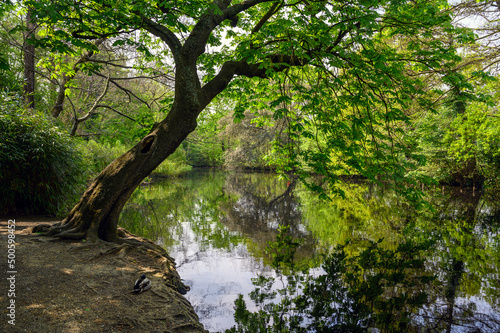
{"x": 241, "y": 68}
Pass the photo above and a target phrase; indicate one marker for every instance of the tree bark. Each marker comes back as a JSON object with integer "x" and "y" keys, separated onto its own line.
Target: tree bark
{"x": 29, "y": 62}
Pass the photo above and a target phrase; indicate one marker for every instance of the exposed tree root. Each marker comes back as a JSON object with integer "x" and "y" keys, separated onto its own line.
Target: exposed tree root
{"x": 61, "y": 230}
{"x": 154, "y": 292}
{"x": 70, "y": 234}
{"x": 182, "y": 327}
{"x": 121, "y": 249}
{"x": 43, "y": 228}
{"x": 67, "y": 230}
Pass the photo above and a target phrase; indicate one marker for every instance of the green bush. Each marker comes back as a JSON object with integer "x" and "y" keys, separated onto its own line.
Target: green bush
{"x": 174, "y": 165}
{"x": 100, "y": 154}
{"x": 40, "y": 167}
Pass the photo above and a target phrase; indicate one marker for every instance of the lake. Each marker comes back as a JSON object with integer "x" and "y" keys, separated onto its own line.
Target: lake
{"x": 217, "y": 224}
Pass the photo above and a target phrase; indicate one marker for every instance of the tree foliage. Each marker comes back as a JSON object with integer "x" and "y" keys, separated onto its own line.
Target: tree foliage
{"x": 461, "y": 144}
{"x": 362, "y": 64}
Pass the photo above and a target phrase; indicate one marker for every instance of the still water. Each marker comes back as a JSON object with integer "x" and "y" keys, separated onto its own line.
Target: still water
{"x": 216, "y": 225}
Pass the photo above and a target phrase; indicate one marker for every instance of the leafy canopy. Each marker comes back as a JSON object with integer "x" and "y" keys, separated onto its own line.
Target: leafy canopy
{"x": 344, "y": 75}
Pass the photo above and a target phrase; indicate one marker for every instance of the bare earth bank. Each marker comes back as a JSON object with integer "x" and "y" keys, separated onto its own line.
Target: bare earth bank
{"x": 72, "y": 286}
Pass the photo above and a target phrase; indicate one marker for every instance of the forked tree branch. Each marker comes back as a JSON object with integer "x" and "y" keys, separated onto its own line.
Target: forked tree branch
{"x": 196, "y": 42}
{"x": 164, "y": 33}
{"x": 76, "y": 120}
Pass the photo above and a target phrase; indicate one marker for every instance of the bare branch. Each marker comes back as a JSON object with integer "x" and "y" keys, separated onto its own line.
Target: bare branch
{"x": 97, "y": 101}
{"x": 115, "y": 110}
{"x": 143, "y": 77}
{"x": 100, "y": 61}
{"x": 89, "y": 134}
{"x": 96, "y": 35}
{"x": 77, "y": 120}
{"x": 157, "y": 73}
{"x": 127, "y": 91}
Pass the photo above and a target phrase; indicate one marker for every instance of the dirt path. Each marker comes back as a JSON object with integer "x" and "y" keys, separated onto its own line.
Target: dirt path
{"x": 72, "y": 286}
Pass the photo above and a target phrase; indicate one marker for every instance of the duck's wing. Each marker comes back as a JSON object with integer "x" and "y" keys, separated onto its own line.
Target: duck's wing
{"x": 146, "y": 284}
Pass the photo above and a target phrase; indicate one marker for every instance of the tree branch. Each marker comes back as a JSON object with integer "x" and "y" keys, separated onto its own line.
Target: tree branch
{"x": 242, "y": 68}
{"x": 274, "y": 8}
{"x": 163, "y": 33}
{"x": 116, "y": 111}
{"x": 77, "y": 120}
{"x": 58, "y": 107}
{"x": 130, "y": 93}
{"x": 89, "y": 134}
{"x": 97, "y": 101}
{"x": 196, "y": 42}
{"x": 97, "y": 35}
{"x": 100, "y": 61}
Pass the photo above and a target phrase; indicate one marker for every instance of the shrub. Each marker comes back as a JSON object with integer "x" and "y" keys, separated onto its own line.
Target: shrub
{"x": 100, "y": 154}
{"x": 174, "y": 165}
{"x": 40, "y": 168}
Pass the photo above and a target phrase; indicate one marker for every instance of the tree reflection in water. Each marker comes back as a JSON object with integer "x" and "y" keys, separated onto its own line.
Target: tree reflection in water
{"x": 217, "y": 225}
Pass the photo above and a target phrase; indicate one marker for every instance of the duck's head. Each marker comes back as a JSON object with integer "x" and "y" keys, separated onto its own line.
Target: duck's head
{"x": 143, "y": 277}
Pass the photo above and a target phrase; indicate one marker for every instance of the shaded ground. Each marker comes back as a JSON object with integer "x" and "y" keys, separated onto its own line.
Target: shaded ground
{"x": 72, "y": 286}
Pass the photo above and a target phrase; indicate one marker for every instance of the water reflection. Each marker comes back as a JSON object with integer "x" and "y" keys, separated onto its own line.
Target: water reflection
{"x": 217, "y": 224}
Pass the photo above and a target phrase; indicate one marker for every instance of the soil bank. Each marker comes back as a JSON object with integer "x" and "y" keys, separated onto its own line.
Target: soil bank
{"x": 72, "y": 286}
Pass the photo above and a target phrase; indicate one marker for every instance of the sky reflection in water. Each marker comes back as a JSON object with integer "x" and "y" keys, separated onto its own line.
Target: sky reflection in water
{"x": 216, "y": 225}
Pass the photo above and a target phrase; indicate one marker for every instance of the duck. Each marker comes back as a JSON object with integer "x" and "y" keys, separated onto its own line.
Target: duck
{"x": 142, "y": 284}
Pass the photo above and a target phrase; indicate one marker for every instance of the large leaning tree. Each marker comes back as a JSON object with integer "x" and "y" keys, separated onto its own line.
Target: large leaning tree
{"x": 357, "y": 69}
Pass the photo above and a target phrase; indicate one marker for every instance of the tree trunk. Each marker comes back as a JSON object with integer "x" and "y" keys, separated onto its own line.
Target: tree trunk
{"x": 29, "y": 62}
{"x": 61, "y": 95}
{"x": 96, "y": 215}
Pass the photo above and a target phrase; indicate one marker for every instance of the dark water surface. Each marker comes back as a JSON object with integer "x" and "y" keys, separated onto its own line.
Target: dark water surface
{"x": 217, "y": 224}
